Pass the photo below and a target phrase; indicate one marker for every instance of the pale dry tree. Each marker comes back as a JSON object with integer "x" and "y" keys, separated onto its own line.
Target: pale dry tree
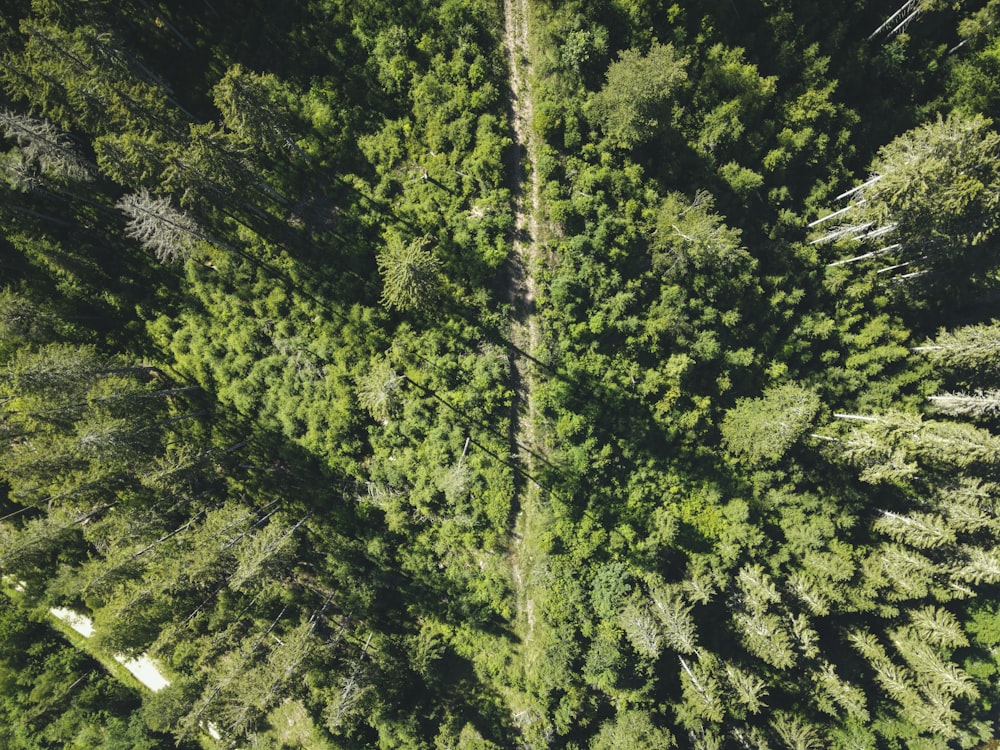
{"x": 169, "y": 233}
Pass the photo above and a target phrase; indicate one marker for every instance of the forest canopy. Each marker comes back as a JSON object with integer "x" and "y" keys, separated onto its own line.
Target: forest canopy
{"x": 479, "y": 374}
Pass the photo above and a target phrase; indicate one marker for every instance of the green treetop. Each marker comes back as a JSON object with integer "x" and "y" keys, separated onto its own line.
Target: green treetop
{"x": 763, "y": 429}
{"x": 409, "y": 275}
{"x": 632, "y": 105}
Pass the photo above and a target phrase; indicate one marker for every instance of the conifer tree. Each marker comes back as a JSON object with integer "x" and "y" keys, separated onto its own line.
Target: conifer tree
{"x": 974, "y": 348}
{"x": 980, "y": 404}
{"x": 923, "y": 530}
{"x": 766, "y": 637}
{"x": 641, "y": 629}
{"x": 254, "y": 108}
{"x": 763, "y": 429}
{"x": 890, "y": 446}
{"x": 634, "y": 101}
{"x": 843, "y": 696}
{"x": 933, "y": 194}
{"x": 632, "y": 728}
{"x": 82, "y": 77}
{"x": 677, "y": 625}
{"x": 43, "y": 144}
{"x": 796, "y": 733}
{"x": 410, "y": 275}
{"x": 749, "y": 688}
{"x": 702, "y": 699}
{"x": 268, "y": 550}
{"x": 135, "y": 160}
{"x": 379, "y": 390}
{"x": 937, "y": 626}
{"x": 968, "y": 504}
{"x": 159, "y": 227}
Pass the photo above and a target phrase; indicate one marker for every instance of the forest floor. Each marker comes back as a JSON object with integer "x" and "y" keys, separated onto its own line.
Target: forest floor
{"x": 526, "y": 554}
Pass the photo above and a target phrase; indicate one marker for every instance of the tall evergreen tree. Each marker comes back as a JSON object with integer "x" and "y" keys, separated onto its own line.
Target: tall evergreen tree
{"x": 42, "y": 144}
{"x": 763, "y": 429}
{"x": 969, "y": 349}
{"x": 932, "y": 195}
{"x": 410, "y": 275}
{"x": 634, "y": 102}
{"x": 169, "y": 233}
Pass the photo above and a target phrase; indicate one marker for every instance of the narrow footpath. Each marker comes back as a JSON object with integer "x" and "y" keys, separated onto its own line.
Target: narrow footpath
{"x": 526, "y": 560}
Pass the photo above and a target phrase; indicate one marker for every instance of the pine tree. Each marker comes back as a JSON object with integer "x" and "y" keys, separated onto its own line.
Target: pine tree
{"x": 268, "y": 550}
{"x": 974, "y": 349}
{"x": 410, "y": 275}
{"x": 910, "y": 573}
{"x": 804, "y": 636}
{"x": 981, "y": 404}
{"x": 922, "y": 530}
{"x": 254, "y": 108}
{"x": 84, "y": 78}
{"x": 641, "y": 629}
{"x": 763, "y": 429}
{"x": 690, "y": 239}
{"x": 750, "y": 689}
{"x": 135, "y": 160}
{"x": 633, "y": 103}
{"x": 170, "y": 234}
{"x": 796, "y": 733}
{"x": 846, "y": 697}
{"x": 880, "y": 458}
{"x": 968, "y": 504}
{"x": 213, "y": 169}
{"x": 766, "y": 637}
{"x": 677, "y": 625}
{"x": 53, "y": 375}
{"x": 809, "y": 592}
{"x": 702, "y": 701}
{"x": 957, "y": 444}
{"x": 934, "y": 192}
{"x": 379, "y": 390}
{"x": 634, "y": 729}
{"x": 31, "y": 550}
{"x": 926, "y": 663}
{"x": 939, "y": 179}
{"x": 757, "y": 588}
{"x": 977, "y": 566}
{"x": 893, "y": 444}
{"x": 42, "y": 144}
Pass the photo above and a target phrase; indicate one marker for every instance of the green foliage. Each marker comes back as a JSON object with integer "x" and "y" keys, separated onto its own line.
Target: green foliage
{"x": 973, "y": 82}
{"x": 931, "y": 199}
{"x": 763, "y": 429}
{"x": 631, "y": 729}
{"x": 634, "y": 103}
{"x": 254, "y": 108}
{"x": 159, "y": 226}
{"x": 969, "y": 349}
{"x": 318, "y": 471}
{"x": 54, "y": 696}
{"x": 940, "y": 180}
{"x": 409, "y": 275}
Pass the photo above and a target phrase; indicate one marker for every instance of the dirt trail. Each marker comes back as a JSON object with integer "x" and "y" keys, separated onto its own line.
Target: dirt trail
{"x": 523, "y": 263}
